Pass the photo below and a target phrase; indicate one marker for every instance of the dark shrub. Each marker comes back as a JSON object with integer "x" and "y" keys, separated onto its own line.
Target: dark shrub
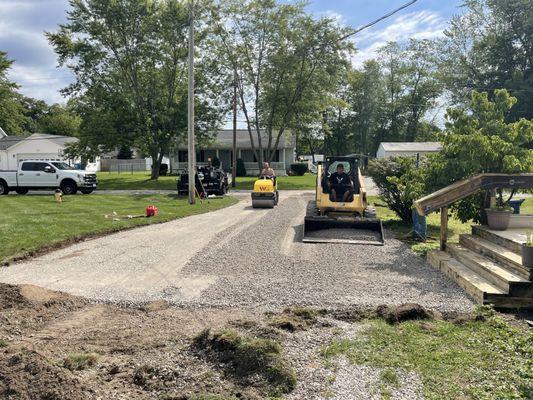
{"x": 400, "y": 182}
{"x": 299, "y": 169}
{"x": 241, "y": 169}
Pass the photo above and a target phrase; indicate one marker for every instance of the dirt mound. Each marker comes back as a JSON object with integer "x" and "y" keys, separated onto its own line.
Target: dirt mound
{"x": 11, "y": 297}
{"x": 28, "y": 375}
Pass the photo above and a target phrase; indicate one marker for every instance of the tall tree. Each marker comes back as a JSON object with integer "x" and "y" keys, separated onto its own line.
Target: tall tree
{"x": 130, "y": 61}
{"x": 490, "y": 47}
{"x": 287, "y": 64}
{"x": 60, "y": 120}
{"x": 12, "y": 118}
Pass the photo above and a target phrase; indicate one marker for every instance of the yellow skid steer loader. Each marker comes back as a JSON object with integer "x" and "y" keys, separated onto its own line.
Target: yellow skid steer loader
{"x": 340, "y": 213}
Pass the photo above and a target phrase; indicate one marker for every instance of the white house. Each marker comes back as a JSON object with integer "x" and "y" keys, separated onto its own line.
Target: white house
{"x": 398, "y": 149}
{"x": 38, "y": 146}
{"x": 222, "y": 146}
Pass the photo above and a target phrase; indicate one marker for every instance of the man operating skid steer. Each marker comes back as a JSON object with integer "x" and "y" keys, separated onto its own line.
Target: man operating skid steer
{"x": 341, "y": 185}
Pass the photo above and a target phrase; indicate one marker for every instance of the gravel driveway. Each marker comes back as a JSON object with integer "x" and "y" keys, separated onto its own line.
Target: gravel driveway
{"x": 242, "y": 257}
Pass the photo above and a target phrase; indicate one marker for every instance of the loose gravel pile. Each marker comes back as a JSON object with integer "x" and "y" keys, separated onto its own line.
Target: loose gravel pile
{"x": 264, "y": 266}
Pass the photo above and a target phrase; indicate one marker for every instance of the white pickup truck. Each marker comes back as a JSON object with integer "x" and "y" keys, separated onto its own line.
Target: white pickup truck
{"x": 38, "y": 175}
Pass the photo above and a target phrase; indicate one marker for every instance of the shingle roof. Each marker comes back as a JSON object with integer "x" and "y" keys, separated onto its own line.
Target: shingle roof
{"x": 224, "y": 140}
{"x": 412, "y": 146}
{"x": 9, "y": 141}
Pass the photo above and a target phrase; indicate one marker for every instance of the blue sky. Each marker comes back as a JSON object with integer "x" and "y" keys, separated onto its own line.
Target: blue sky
{"x": 22, "y": 23}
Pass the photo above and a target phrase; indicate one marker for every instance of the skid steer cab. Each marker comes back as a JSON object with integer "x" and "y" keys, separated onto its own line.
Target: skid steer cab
{"x": 265, "y": 193}
{"x": 340, "y": 212}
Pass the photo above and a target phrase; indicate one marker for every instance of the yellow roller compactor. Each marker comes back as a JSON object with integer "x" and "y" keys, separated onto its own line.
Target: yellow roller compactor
{"x": 265, "y": 193}
{"x": 340, "y": 213}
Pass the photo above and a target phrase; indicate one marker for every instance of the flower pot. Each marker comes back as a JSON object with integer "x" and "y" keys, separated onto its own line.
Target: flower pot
{"x": 527, "y": 256}
{"x": 498, "y": 220}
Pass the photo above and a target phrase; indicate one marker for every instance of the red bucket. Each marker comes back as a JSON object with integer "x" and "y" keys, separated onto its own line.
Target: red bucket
{"x": 151, "y": 211}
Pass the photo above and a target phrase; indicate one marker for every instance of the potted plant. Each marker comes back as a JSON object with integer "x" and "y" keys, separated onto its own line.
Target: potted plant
{"x": 527, "y": 250}
{"x": 498, "y": 216}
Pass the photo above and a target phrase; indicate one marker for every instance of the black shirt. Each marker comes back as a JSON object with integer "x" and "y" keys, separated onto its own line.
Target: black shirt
{"x": 343, "y": 179}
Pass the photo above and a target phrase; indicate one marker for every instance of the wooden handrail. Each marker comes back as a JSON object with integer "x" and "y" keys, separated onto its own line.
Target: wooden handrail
{"x": 461, "y": 189}
{"x": 445, "y": 197}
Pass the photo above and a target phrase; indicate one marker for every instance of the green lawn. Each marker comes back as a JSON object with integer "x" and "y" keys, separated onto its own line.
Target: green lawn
{"x": 474, "y": 359}
{"x": 403, "y": 231}
{"x": 31, "y": 223}
{"x": 141, "y": 180}
{"x": 135, "y": 181}
{"x": 284, "y": 182}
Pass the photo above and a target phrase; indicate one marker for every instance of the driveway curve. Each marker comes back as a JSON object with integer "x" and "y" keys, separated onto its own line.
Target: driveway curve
{"x": 239, "y": 257}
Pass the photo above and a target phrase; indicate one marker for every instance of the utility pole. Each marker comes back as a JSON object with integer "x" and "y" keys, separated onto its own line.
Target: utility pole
{"x": 191, "y": 157}
{"x": 234, "y": 153}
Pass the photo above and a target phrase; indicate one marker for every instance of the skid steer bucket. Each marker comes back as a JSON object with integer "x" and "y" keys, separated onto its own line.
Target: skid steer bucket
{"x": 354, "y": 230}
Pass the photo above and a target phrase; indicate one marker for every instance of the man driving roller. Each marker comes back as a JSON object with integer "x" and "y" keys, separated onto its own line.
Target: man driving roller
{"x": 340, "y": 184}
{"x": 268, "y": 171}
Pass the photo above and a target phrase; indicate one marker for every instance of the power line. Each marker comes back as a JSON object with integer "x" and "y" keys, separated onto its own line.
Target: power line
{"x": 378, "y": 20}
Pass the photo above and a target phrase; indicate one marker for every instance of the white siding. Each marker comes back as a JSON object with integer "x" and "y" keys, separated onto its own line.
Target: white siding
{"x": 28, "y": 149}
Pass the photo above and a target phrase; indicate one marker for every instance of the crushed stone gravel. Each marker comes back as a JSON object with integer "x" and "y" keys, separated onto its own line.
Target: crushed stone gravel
{"x": 263, "y": 266}
{"x": 240, "y": 257}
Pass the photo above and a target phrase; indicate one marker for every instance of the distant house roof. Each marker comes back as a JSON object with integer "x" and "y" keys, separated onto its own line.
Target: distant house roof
{"x": 224, "y": 140}
{"x": 411, "y": 146}
{"x": 9, "y": 141}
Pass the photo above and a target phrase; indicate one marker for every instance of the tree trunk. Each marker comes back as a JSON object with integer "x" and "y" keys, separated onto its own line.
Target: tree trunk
{"x": 157, "y": 158}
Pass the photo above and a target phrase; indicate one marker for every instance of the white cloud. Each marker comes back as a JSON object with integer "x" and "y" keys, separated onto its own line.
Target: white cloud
{"x": 423, "y": 24}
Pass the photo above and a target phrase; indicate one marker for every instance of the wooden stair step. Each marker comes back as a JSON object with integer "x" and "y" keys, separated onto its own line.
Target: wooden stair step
{"x": 499, "y": 253}
{"x": 492, "y": 236}
{"x": 495, "y": 273}
{"x": 480, "y": 289}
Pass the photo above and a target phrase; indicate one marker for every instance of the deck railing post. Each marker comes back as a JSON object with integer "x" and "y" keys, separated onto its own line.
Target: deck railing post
{"x": 443, "y": 227}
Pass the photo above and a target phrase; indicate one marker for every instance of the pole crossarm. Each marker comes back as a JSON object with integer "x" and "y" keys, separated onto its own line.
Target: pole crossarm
{"x": 461, "y": 189}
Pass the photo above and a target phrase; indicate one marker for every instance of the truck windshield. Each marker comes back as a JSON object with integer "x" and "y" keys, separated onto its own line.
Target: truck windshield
{"x": 61, "y": 165}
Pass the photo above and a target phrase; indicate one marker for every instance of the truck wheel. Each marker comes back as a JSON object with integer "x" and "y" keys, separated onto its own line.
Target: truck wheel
{"x": 3, "y": 188}
{"x": 69, "y": 187}
{"x": 22, "y": 191}
{"x": 86, "y": 191}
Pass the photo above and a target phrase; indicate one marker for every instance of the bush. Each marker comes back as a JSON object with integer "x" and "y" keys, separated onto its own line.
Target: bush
{"x": 163, "y": 169}
{"x": 241, "y": 169}
{"x": 400, "y": 183}
{"x": 299, "y": 169}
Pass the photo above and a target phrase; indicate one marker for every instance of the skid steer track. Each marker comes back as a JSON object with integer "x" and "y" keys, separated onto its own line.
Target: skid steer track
{"x": 350, "y": 230}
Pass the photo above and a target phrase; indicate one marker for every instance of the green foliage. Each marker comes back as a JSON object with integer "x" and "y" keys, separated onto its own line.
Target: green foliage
{"x": 299, "y": 169}
{"x": 250, "y": 356}
{"x": 12, "y": 116}
{"x": 288, "y": 65}
{"x": 240, "y": 168}
{"x": 59, "y": 120}
{"x": 489, "y": 47}
{"x": 479, "y": 358}
{"x": 478, "y": 140}
{"x": 130, "y": 65}
{"x": 400, "y": 182}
